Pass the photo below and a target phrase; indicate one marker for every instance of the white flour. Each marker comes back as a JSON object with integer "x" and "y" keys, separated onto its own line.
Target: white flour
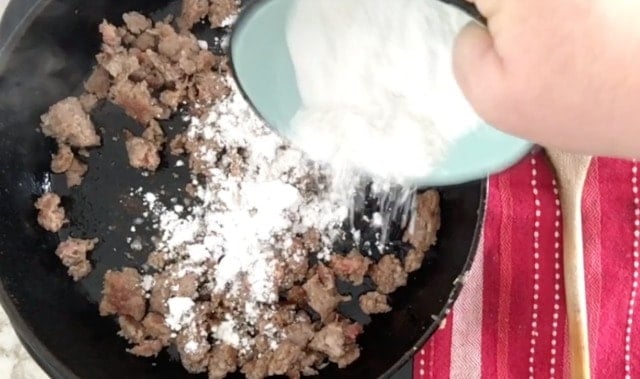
{"x": 240, "y": 226}
{"x": 258, "y": 193}
{"x": 377, "y": 84}
{"x": 180, "y": 312}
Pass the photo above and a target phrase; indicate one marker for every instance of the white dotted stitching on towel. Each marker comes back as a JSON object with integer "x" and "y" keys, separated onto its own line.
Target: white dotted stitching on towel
{"x": 636, "y": 270}
{"x": 536, "y": 266}
{"x": 432, "y": 353}
{"x": 421, "y": 360}
{"x": 556, "y": 282}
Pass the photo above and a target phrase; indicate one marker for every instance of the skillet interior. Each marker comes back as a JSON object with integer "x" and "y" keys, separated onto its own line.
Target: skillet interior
{"x": 57, "y": 318}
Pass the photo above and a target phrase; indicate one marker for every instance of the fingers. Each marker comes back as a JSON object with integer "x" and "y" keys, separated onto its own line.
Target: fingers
{"x": 478, "y": 70}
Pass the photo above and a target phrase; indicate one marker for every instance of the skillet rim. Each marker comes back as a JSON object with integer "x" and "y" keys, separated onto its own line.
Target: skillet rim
{"x": 51, "y": 365}
{"x": 458, "y": 283}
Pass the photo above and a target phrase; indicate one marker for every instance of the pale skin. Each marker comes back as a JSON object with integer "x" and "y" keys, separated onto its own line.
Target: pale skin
{"x": 562, "y": 73}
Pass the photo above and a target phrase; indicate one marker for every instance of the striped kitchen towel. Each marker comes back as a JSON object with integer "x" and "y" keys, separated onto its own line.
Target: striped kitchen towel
{"x": 510, "y": 319}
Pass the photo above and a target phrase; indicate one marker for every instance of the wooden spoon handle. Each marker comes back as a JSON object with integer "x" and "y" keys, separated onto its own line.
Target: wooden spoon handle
{"x": 571, "y": 173}
{"x": 574, "y": 280}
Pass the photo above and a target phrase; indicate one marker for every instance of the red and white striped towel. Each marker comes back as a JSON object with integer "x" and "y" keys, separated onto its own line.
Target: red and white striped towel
{"x": 510, "y": 319}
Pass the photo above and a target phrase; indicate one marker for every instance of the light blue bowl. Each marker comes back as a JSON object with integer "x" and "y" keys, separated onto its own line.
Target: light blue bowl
{"x": 265, "y": 74}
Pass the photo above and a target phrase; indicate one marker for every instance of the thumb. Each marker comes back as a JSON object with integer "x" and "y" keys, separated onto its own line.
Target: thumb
{"x": 478, "y": 70}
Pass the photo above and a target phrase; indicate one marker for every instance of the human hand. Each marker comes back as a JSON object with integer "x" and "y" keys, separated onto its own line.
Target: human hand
{"x": 564, "y": 74}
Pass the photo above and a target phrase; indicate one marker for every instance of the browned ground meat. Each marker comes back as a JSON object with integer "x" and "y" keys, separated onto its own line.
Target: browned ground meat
{"x": 155, "y": 327}
{"x": 98, "y": 83}
{"x": 192, "y": 12}
{"x": 51, "y": 215}
{"x": 156, "y": 260}
{"x": 160, "y": 293}
{"x": 136, "y": 71}
{"x": 74, "y": 250}
{"x": 284, "y": 357}
{"x": 352, "y": 352}
{"x": 154, "y": 134}
{"x": 258, "y": 367}
{"x": 321, "y": 292}
{"x": 119, "y": 65}
{"x": 284, "y": 315}
{"x": 177, "y": 145}
{"x": 67, "y": 122}
{"x": 329, "y": 340}
{"x": 171, "y": 98}
{"x": 294, "y": 270}
{"x": 190, "y": 189}
{"x": 73, "y": 254}
{"x": 84, "y": 153}
{"x": 123, "y": 294}
{"x": 194, "y": 349}
{"x": 145, "y": 41}
{"x": 374, "y": 302}
{"x": 147, "y": 348}
{"x": 81, "y": 270}
{"x": 143, "y": 153}
{"x": 61, "y": 160}
{"x": 424, "y": 228}
{"x": 136, "y": 100}
{"x": 221, "y": 10}
{"x": 88, "y": 101}
{"x": 413, "y": 260}
{"x": 311, "y": 240}
{"x": 333, "y": 341}
{"x": 185, "y": 286}
{"x": 297, "y": 295}
{"x": 311, "y": 361}
{"x": 351, "y": 267}
{"x": 351, "y": 330}
{"x": 75, "y": 173}
{"x": 223, "y": 360}
{"x": 299, "y": 333}
{"x": 110, "y": 34}
{"x": 178, "y": 47}
{"x": 388, "y": 274}
{"x": 158, "y": 70}
{"x": 131, "y": 330}
{"x": 148, "y": 336}
{"x": 208, "y": 87}
{"x": 233, "y": 163}
{"x": 136, "y": 23}
{"x": 206, "y": 61}
{"x": 198, "y": 162}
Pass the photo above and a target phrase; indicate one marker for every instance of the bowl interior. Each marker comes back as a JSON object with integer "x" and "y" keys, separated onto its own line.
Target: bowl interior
{"x": 58, "y": 319}
{"x": 265, "y": 72}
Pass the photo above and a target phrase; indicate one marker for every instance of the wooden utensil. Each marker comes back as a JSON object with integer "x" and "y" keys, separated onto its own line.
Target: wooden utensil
{"x": 571, "y": 173}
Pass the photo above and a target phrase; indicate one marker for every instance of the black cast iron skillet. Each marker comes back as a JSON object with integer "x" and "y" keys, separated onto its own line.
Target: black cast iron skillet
{"x": 44, "y": 59}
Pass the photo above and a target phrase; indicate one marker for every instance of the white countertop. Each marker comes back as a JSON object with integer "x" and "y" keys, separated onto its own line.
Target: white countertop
{"x": 15, "y": 362}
